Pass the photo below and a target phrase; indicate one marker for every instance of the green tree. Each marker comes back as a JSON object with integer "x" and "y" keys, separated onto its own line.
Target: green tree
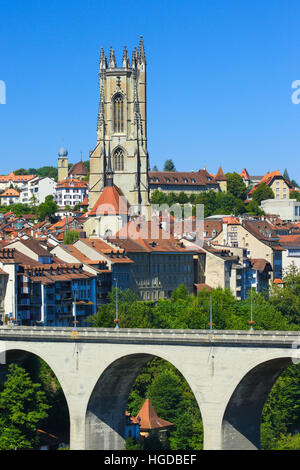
{"x": 23, "y": 408}
{"x": 262, "y": 192}
{"x": 295, "y": 195}
{"x": 158, "y": 197}
{"x": 253, "y": 208}
{"x": 70, "y": 237}
{"x": 287, "y": 300}
{"x": 286, "y": 175}
{"x": 169, "y": 165}
{"x": 47, "y": 209}
{"x": 236, "y": 185}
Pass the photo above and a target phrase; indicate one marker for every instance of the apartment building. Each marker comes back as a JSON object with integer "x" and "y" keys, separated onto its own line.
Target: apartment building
{"x": 35, "y": 190}
{"x": 98, "y": 268}
{"x": 42, "y": 289}
{"x": 160, "y": 265}
{"x": 70, "y": 192}
{"x": 117, "y": 260}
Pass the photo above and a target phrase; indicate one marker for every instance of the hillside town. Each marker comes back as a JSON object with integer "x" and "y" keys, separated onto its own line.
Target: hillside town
{"x": 66, "y": 264}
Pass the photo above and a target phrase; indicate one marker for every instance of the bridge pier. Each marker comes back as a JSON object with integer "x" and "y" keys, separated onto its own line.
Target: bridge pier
{"x": 212, "y": 426}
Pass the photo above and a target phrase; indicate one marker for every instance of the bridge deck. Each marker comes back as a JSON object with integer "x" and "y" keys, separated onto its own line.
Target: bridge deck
{"x": 146, "y": 336}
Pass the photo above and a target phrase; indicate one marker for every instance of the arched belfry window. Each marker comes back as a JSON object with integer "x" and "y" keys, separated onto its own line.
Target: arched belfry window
{"x": 119, "y": 160}
{"x": 118, "y": 113}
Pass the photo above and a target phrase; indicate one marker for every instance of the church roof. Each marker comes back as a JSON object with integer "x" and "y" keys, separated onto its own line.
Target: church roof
{"x": 149, "y": 419}
{"x": 78, "y": 169}
{"x": 111, "y": 202}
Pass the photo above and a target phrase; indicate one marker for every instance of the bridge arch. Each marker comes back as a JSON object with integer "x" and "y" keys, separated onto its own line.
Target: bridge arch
{"x": 19, "y": 355}
{"x": 242, "y": 417}
{"x": 105, "y": 412}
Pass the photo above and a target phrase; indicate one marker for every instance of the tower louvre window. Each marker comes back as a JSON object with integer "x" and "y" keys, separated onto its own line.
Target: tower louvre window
{"x": 118, "y": 160}
{"x": 118, "y": 113}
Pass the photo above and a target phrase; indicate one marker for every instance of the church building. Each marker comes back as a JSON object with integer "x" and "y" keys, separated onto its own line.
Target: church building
{"x": 120, "y": 157}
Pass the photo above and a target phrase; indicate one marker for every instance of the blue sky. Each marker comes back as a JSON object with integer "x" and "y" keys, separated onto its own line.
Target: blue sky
{"x": 219, "y": 79}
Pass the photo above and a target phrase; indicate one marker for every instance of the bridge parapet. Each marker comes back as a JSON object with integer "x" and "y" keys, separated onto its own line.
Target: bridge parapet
{"x": 200, "y": 337}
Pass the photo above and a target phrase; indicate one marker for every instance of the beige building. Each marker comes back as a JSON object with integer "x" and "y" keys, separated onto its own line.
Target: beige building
{"x": 257, "y": 237}
{"x": 121, "y": 151}
{"x": 279, "y": 185}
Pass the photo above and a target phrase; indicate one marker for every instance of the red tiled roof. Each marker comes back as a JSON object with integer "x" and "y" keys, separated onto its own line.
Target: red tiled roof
{"x": 200, "y": 178}
{"x": 203, "y": 286}
{"x": 290, "y": 240}
{"x": 15, "y": 178}
{"x": 78, "y": 169}
{"x": 149, "y": 419}
{"x": 260, "y": 264}
{"x": 220, "y": 175}
{"x": 231, "y": 221}
{"x": 268, "y": 178}
{"x": 111, "y": 202}
{"x": 85, "y": 201}
{"x": 117, "y": 256}
{"x": 10, "y": 192}
{"x": 72, "y": 183}
{"x": 245, "y": 174}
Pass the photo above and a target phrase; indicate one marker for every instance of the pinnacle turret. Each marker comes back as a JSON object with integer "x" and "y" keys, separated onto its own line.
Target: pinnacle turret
{"x": 112, "y": 59}
{"x": 141, "y": 53}
{"x": 103, "y": 61}
{"x": 125, "y": 62}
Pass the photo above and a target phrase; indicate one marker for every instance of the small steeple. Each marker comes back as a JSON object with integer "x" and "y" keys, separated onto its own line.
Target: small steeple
{"x": 112, "y": 59}
{"x": 109, "y": 173}
{"x": 141, "y": 54}
{"x": 126, "y": 62}
{"x": 220, "y": 175}
{"x": 103, "y": 61}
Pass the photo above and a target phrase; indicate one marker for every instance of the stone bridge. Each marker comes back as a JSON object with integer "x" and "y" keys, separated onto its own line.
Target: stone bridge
{"x": 229, "y": 372}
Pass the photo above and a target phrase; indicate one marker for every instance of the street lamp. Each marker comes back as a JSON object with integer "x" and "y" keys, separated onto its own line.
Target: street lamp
{"x": 116, "y": 320}
{"x": 251, "y": 322}
{"x": 210, "y": 317}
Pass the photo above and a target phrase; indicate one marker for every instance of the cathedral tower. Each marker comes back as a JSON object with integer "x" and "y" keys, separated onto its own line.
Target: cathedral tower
{"x": 120, "y": 156}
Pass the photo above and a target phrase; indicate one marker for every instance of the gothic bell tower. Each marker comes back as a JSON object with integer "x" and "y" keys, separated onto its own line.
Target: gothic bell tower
{"x": 121, "y": 155}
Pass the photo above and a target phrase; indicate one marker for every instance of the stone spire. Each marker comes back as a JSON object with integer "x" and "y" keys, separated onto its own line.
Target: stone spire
{"x": 103, "y": 61}
{"x": 126, "y": 62}
{"x": 141, "y": 53}
{"x": 112, "y": 59}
